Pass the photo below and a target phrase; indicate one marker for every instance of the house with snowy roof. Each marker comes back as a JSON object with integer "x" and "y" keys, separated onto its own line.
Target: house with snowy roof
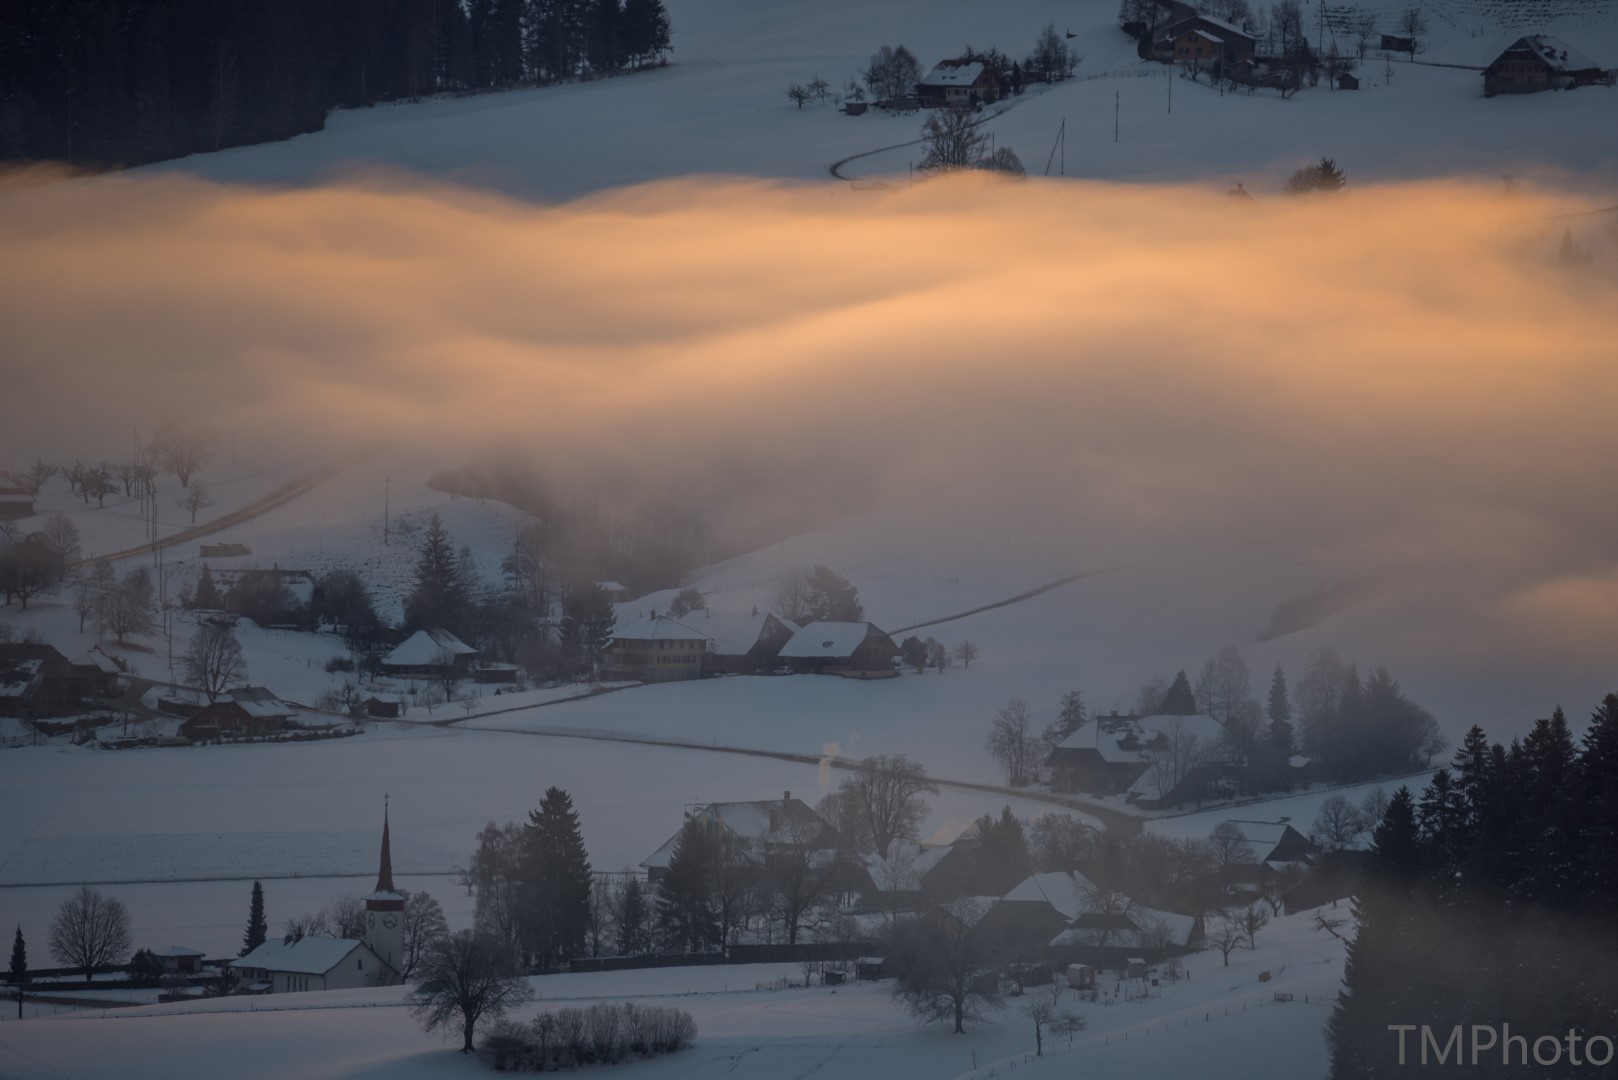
{"x": 1203, "y": 39}
{"x": 1539, "y": 62}
{"x": 1020, "y": 923}
{"x": 429, "y": 654}
{"x": 38, "y": 681}
{"x": 854, "y": 650}
{"x": 765, "y": 829}
{"x": 1154, "y": 760}
{"x": 656, "y": 649}
{"x": 1106, "y": 937}
{"x": 250, "y": 712}
{"x": 740, "y": 642}
{"x": 959, "y": 83}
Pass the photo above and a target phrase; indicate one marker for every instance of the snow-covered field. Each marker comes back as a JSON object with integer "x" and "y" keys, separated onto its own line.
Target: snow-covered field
{"x": 1205, "y": 1026}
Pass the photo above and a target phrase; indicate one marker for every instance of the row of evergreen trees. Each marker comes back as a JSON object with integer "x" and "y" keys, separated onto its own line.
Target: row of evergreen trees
{"x": 1488, "y": 901}
{"x": 105, "y": 83}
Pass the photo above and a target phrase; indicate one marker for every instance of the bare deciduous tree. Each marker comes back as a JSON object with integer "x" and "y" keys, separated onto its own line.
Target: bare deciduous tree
{"x": 213, "y": 661}
{"x": 90, "y": 930}
{"x": 1337, "y": 825}
{"x": 952, "y": 140}
{"x": 1014, "y": 744}
{"x": 1252, "y": 921}
{"x": 889, "y": 795}
{"x": 1413, "y": 27}
{"x": 180, "y": 451}
{"x": 424, "y": 925}
{"x": 1226, "y": 935}
{"x": 196, "y": 498}
{"x": 966, "y": 652}
{"x": 466, "y": 981}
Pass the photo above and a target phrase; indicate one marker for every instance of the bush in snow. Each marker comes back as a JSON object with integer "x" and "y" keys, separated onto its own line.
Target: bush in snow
{"x": 599, "y": 1034}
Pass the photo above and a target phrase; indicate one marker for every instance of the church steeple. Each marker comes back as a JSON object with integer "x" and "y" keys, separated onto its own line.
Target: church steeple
{"x": 384, "y": 873}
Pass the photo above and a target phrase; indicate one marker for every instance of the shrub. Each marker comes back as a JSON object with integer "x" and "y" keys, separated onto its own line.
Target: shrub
{"x": 599, "y": 1034}
{"x": 339, "y": 663}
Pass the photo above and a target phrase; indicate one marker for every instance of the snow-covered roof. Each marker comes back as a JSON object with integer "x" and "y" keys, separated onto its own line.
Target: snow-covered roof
{"x": 180, "y": 951}
{"x": 1556, "y": 53}
{"x": 1209, "y": 20}
{"x": 306, "y": 956}
{"x": 611, "y": 586}
{"x": 763, "y": 822}
{"x": 953, "y": 73}
{"x": 1180, "y": 929}
{"x": 1064, "y": 892}
{"x": 425, "y": 647}
{"x": 1205, "y": 36}
{"x": 1207, "y": 730}
{"x": 827, "y": 640}
{"x": 658, "y": 628}
{"x": 97, "y": 659}
{"x": 732, "y": 632}
{"x": 1263, "y": 837}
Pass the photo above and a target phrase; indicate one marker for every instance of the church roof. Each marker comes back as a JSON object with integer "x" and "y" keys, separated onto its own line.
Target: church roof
{"x": 306, "y": 956}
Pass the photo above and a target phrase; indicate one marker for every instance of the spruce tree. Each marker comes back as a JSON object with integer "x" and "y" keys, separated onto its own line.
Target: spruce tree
{"x": 685, "y": 907}
{"x": 1279, "y": 706}
{"x": 1179, "y": 701}
{"x": 1380, "y": 970}
{"x": 19, "y": 970}
{"x": 632, "y": 919}
{"x": 206, "y": 598}
{"x": 1070, "y": 716}
{"x": 586, "y": 629}
{"x": 257, "y": 928}
{"x": 556, "y": 883}
{"x": 438, "y": 598}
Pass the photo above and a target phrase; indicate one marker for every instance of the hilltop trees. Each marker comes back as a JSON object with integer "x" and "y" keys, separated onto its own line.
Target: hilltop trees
{"x": 818, "y": 594}
{"x": 1324, "y": 176}
{"x": 440, "y": 596}
{"x": 1052, "y": 59}
{"x": 106, "y": 85}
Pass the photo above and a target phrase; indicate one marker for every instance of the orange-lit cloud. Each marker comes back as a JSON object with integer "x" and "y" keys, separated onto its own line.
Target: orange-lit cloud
{"x": 1401, "y": 379}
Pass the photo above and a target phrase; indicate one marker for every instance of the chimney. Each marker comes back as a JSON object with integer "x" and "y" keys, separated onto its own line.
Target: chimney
{"x": 786, "y": 796}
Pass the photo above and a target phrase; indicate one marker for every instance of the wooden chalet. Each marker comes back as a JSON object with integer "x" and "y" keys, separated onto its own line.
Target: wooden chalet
{"x": 959, "y": 84}
{"x": 765, "y": 829}
{"x": 236, "y": 719}
{"x": 1539, "y": 62}
{"x": 854, "y": 650}
{"x": 739, "y": 642}
{"x": 1202, "y": 41}
{"x": 429, "y": 654}
{"x": 1155, "y": 760}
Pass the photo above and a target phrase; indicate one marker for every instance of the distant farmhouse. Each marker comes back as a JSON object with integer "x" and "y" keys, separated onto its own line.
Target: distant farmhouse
{"x": 38, "y": 682}
{"x": 1202, "y": 40}
{"x": 854, "y": 650}
{"x": 656, "y": 649}
{"x": 959, "y": 83}
{"x": 765, "y": 829}
{"x": 429, "y": 654}
{"x": 1540, "y": 62}
{"x": 249, "y": 712}
{"x": 1154, "y": 761}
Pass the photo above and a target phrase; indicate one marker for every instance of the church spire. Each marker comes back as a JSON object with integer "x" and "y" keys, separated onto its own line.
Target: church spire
{"x": 384, "y": 873}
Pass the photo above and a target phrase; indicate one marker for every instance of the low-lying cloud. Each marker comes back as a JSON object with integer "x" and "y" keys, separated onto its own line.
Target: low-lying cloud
{"x": 1408, "y": 380}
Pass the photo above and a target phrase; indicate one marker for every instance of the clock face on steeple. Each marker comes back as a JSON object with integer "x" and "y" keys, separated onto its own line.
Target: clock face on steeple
{"x": 389, "y": 921}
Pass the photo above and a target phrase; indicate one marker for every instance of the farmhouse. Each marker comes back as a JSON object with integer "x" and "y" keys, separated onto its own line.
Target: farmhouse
{"x": 38, "y": 681}
{"x": 429, "y": 653}
{"x": 1041, "y": 906}
{"x": 1273, "y": 843}
{"x": 656, "y": 649}
{"x": 1155, "y": 760}
{"x": 179, "y": 960}
{"x": 854, "y": 650}
{"x": 959, "y": 83}
{"x": 237, "y": 719}
{"x": 740, "y": 642}
{"x": 765, "y": 829}
{"x": 1539, "y": 62}
{"x": 1202, "y": 40}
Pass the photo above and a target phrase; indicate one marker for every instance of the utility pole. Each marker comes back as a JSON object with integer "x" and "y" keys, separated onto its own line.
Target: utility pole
{"x": 1115, "y": 108}
{"x": 1171, "y": 91}
{"x": 386, "y": 481}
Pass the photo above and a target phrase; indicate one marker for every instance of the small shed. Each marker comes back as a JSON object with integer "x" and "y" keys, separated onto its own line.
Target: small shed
{"x": 383, "y": 706}
{"x": 870, "y": 968}
{"x": 1348, "y": 81}
{"x": 180, "y": 960}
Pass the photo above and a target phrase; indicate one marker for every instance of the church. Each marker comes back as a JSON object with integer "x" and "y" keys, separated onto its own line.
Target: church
{"x": 315, "y": 963}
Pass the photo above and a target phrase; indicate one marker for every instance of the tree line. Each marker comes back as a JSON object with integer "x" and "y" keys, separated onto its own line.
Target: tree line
{"x": 110, "y": 83}
{"x": 1486, "y": 900}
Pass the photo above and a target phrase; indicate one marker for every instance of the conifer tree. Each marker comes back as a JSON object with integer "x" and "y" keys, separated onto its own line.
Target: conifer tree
{"x": 685, "y": 908}
{"x": 206, "y": 597}
{"x": 556, "y": 883}
{"x": 19, "y": 970}
{"x": 1279, "y": 706}
{"x": 439, "y": 598}
{"x": 1179, "y": 701}
{"x": 632, "y": 919}
{"x": 257, "y": 927}
{"x": 1380, "y": 968}
{"x": 1070, "y": 716}
{"x": 586, "y": 630}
